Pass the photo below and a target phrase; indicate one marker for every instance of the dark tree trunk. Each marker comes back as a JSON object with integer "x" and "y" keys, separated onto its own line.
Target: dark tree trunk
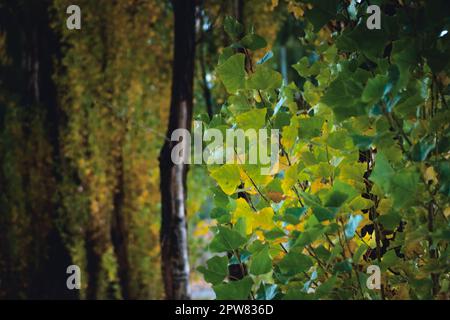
{"x": 93, "y": 258}
{"x": 173, "y": 237}
{"x": 239, "y": 10}
{"x": 34, "y": 48}
{"x": 205, "y": 87}
{"x": 119, "y": 234}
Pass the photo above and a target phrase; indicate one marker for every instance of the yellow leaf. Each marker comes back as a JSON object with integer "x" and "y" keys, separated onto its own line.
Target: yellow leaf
{"x": 447, "y": 212}
{"x": 318, "y": 185}
{"x": 227, "y": 177}
{"x": 244, "y": 211}
{"x": 370, "y": 240}
{"x": 290, "y": 178}
{"x": 201, "y": 229}
{"x": 430, "y": 175}
{"x": 264, "y": 219}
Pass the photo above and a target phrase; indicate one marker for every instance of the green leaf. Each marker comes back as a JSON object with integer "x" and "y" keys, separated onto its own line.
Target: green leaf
{"x": 344, "y": 266}
{"x": 389, "y": 259}
{"x": 220, "y": 198}
{"x": 343, "y": 96}
{"x": 370, "y": 42}
{"x": 233, "y": 28}
{"x": 404, "y": 55}
{"x": 234, "y": 290}
{"x": 374, "y": 89}
{"x": 253, "y": 119}
{"x": 267, "y": 291}
{"x": 264, "y": 78}
{"x": 304, "y": 69}
{"x": 404, "y": 186}
{"x": 226, "y": 53}
{"x": 322, "y": 12}
{"x": 227, "y": 177}
{"x": 336, "y": 198}
{"x": 232, "y": 73}
{"x": 323, "y": 213}
{"x": 359, "y": 253}
{"x": 382, "y": 173}
{"x": 390, "y": 220}
{"x": 227, "y": 240}
{"x": 309, "y": 236}
{"x": 217, "y": 269}
{"x": 310, "y": 127}
{"x": 360, "y": 203}
{"x": 221, "y": 215}
{"x": 282, "y": 119}
{"x": 444, "y": 177}
{"x": 294, "y": 263}
{"x": 340, "y": 193}
{"x": 362, "y": 142}
{"x": 325, "y": 288}
{"x": 253, "y": 42}
{"x": 241, "y": 226}
{"x": 339, "y": 140}
{"x": 422, "y": 149}
{"x": 293, "y": 215}
{"x": 275, "y": 233}
{"x": 261, "y": 262}
{"x": 239, "y": 104}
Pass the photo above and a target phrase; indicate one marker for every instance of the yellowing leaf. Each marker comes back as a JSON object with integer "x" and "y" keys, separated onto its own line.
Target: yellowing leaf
{"x": 201, "y": 229}
{"x": 318, "y": 185}
{"x": 253, "y": 119}
{"x": 360, "y": 203}
{"x": 370, "y": 240}
{"x": 447, "y": 212}
{"x": 430, "y": 175}
{"x": 227, "y": 177}
{"x": 244, "y": 211}
{"x": 384, "y": 206}
{"x": 290, "y": 178}
{"x": 264, "y": 219}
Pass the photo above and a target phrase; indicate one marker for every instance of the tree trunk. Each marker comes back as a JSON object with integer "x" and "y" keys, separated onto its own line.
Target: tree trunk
{"x": 173, "y": 236}
{"x": 119, "y": 233}
{"x": 34, "y": 49}
{"x": 239, "y": 10}
{"x": 205, "y": 86}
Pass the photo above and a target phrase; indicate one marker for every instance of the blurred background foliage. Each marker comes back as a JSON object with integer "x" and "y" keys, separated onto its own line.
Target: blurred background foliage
{"x": 82, "y": 118}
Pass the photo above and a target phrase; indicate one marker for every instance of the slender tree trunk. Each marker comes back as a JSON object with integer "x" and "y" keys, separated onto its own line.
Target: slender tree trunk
{"x": 205, "y": 86}
{"x": 173, "y": 236}
{"x": 119, "y": 233}
{"x": 239, "y": 10}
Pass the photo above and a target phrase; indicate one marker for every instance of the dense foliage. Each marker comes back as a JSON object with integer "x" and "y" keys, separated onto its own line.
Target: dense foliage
{"x": 364, "y": 172}
{"x": 363, "y": 176}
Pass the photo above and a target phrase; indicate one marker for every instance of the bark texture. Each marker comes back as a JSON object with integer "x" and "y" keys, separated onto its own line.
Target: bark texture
{"x": 173, "y": 237}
